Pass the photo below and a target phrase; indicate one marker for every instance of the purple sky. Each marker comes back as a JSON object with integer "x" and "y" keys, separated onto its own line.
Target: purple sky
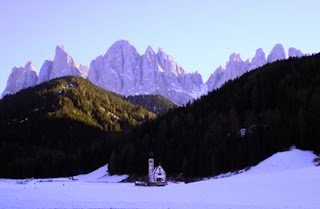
{"x": 199, "y": 34}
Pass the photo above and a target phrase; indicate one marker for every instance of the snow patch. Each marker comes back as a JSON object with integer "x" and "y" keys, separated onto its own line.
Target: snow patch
{"x": 285, "y": 161}
{"x": 242, "y": 132}
{"x": 101, "y": 175}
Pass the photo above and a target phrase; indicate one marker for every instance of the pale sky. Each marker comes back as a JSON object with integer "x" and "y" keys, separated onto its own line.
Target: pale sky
{"x": 199, "y": 34}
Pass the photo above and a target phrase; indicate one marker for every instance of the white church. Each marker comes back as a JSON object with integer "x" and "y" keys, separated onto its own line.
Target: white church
{"x": 157, "y": 176}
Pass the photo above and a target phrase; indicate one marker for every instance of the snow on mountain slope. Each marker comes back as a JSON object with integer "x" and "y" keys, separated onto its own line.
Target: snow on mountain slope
{"x": 285, "y": 180}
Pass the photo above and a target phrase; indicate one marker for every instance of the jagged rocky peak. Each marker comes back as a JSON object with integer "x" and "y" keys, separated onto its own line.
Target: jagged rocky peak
{"x": 277, "y": 53}
{"x": 45, "y": 71}
{"x": 191, "y": 80}
{"x": 149, "y": 55}
{"x": 118, "y": 62}
{"x": 214, "y": 78}
{"x": 234, "y": 57}
{"x": 149, "y": 68}
{"x": 293, "y": 52}
{"x": 60, "y": 51}
{"x": 120, "y": 51}
{"x": 196, "y": 78}
{"x": 123, "y": 70}
{"x": 62, "y": 56}
{"x": 168, "y": 63}
{"x": 21, "y": 78}
{"x": 235, "y": 64}
{"x": 149, "y": 51}
{"x": 95, "y": 74}
{"x": 84, "y": 70}
{"x": 258, "y": 60}
{"x": 62, "y": 64}
{"x": 30, "y": 67}
{"x": 121, "y": 56}
{"x": 234, "y": 68}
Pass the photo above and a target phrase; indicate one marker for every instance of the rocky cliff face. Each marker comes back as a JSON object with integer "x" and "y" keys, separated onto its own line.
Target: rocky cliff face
{"x": 21, "y": 78}
{"x": 235, "y": 67}
{"x": 277, "y": 53}
{"x": 293, "y": 52}
{"x": 258, "y": 60}
{"x": 214, "y": 79}
{"x": 62, "y": 65}
{"x": 123, "y": 70}
{"x": 45, "y": 71}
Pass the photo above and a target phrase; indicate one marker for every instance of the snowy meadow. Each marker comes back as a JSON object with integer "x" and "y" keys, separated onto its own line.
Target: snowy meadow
{"x": 285, "y": 180}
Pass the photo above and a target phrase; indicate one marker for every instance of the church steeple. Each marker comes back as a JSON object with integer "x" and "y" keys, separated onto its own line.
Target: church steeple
{"x": 151, "y": 167}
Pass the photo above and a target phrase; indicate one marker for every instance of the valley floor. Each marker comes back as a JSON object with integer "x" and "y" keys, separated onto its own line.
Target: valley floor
{"x": 285, "y": 180}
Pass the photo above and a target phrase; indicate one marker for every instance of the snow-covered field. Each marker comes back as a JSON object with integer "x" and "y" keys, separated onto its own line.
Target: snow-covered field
{"x": 285, "y": 180}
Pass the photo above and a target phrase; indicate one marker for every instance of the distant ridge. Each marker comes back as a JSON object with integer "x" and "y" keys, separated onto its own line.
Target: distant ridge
{"x": 124, "y": 71}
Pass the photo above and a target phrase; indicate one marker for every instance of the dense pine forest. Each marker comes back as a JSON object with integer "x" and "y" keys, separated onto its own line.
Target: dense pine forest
{"x": 154, "y": 103}
{"x": 69, "y": 126}
{"x": 249, "y": 119}
{"x": 61, "y": 128}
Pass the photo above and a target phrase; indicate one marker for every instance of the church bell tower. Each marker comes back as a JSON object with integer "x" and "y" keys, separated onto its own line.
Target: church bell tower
{"x": 151, "y": 167}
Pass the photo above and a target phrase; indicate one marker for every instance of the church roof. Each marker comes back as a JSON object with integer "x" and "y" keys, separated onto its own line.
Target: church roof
{"x": 158, "y": 169}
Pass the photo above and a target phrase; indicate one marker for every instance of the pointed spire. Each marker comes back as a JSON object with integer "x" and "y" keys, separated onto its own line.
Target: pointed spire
{"x": 277, "y": 53}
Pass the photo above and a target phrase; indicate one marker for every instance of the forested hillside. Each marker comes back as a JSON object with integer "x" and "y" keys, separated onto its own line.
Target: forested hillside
{"x": 264, "y": 111}
{"x": 154, "y": 103}
{"x": 62, "y": 127}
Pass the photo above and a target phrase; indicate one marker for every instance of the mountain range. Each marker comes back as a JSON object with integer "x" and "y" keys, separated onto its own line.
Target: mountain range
{"x": 124, "y": 71}
{"x": 68, "y": 125}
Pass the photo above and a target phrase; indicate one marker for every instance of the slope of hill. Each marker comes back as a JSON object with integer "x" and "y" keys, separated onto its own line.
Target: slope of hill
{"x": 154, "y": 103}
{"x": 62, "y": 127}
{"x": 239, "y": 125}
